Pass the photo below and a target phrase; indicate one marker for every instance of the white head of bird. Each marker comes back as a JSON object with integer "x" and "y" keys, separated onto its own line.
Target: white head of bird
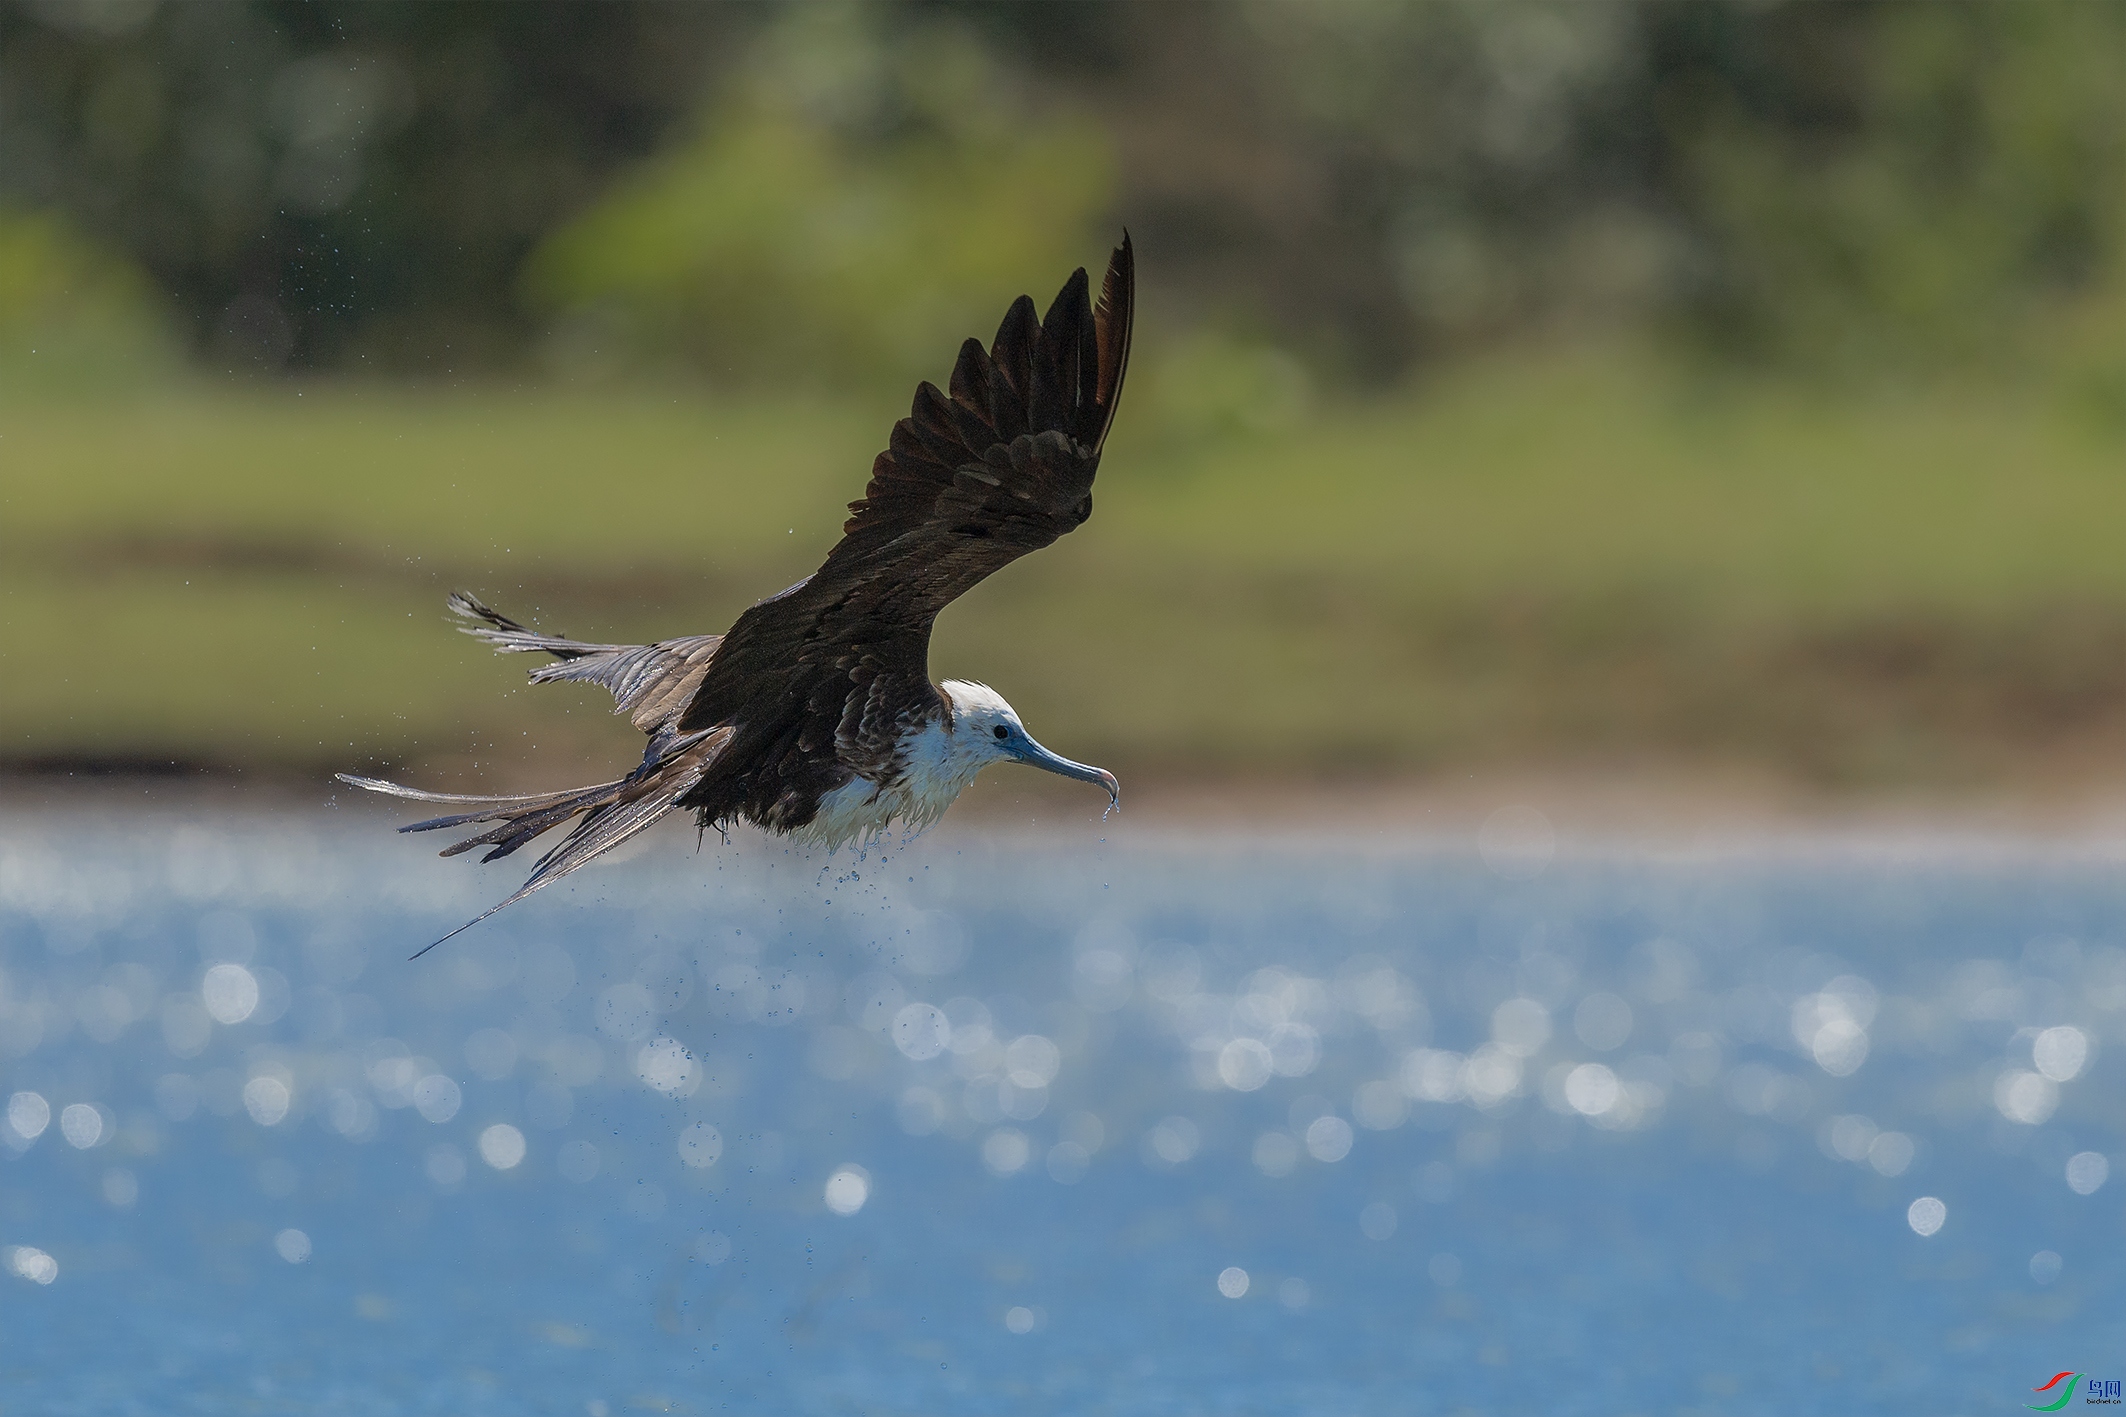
{"x": 941, "y": 757}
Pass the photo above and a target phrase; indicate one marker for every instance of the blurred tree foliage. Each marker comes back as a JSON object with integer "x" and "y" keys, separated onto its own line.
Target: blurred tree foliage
{"x": 778, "y": 187}
{"x": 843, "y": 204}
{"x": 73, "y": 314}
{"x": 335, "y": 183}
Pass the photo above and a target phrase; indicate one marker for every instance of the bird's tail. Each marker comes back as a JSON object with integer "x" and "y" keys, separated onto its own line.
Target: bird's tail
{"x": 611, "y": 812}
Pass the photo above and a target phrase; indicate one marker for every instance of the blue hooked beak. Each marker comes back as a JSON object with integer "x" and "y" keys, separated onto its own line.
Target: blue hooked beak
{"x": 1034, "y": 755}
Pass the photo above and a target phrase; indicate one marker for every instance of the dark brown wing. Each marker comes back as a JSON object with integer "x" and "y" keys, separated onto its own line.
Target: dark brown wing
{"x": 972, "y": 481}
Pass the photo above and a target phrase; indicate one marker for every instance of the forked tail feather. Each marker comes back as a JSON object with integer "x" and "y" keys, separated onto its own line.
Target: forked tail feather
{"x": 611, "y": 811}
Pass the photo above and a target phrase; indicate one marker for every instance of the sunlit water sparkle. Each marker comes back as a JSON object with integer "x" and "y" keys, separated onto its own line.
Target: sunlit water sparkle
{"x": 979, "y": 1125}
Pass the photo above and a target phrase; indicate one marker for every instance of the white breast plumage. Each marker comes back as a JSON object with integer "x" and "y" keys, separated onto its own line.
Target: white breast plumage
{"x": 937, "y": 769}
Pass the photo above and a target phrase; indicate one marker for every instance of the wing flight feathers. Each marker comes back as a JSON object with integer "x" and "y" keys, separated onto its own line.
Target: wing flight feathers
{"x": 971, "y": 480}
{"x": 1112, "y": 320}
{"x": 997, "y": 464}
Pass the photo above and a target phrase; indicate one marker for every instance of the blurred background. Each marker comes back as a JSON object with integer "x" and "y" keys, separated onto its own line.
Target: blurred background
{"x": 1731, "y": 392}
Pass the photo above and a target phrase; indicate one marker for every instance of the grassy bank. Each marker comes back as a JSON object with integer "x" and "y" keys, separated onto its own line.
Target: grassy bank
{"x": 1583, "y": 558}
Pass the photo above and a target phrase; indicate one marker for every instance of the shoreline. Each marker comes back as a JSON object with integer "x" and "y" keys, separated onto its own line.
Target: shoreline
{"x": 1505, "y": 813}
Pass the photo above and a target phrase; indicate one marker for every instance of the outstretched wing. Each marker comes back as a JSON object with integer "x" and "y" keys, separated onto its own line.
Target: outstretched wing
{"x": 649, "y": 683}
{"x": 973, "y": 480}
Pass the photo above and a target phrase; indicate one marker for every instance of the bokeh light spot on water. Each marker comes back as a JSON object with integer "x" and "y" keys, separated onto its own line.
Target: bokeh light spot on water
{"x": 1446, "y": 1270}
{"x": 292, "y": 1245}
{"x": 445, "y": 1164}
{"x": 82, "y": 1125}
{"x": 1832, "y": 1024}
{"x": 2045, "y": 1266}
{"x": 1433, "y": 1075}
{"x": 1839, "y": 1046}
{"x": 1067, "y": 1162}
{"x": 437, "y": 1097}
{"x": 847, "y": 1189}
{"x": 1377, "y": 1221}
{"x": 2025, "y": 1097}
{"x": 578, "y": 1161}
{"x": 1295, "y": 1050}
{"x": 700, "y": 1146}
{"x": 2087, "y": 1171}
{"x": 1006, "y": 1151}
{"x": 1232, "y": 1281}
{"x": 230, "y": 993}
{"x": 2060, "y": 1053}
{"x": 31, "y": 1263}
{"x": 1019, "y": 1319}
{"x": 1021, "y": 1104}
{"x": 1329, "y": 1138}
{"x": 1848, "y": 1136}
{"x": 352, "y": 1116}
{"x": 266, "y": 1099}
{"x": 121, "y": 1188}
{"x": 666, "y": 1065}
{"x": 501, "y": 1146}
{"x": 1602, "y": 1021}
{"x": 1276, "y": 1153}
{"x": 1244, "y": 1064}
{"x": 1521, "y": 1027}
{"x": 921, "y": 1031}
{"x": 1103, "y": 979}
{"x": 1926, "y": 1215}
{"x": 1890, "y": 1153}
{"x": 28, "y": 1114}
{"x": 1379, "y": 1106}
{"x": 1293, "y": 1293}
{"x": 1492, "y": 1075}
{"x": 1032, "y": 1061}
{"x": 1171, "y": 1141}
{"x": 1591, "y": 1089}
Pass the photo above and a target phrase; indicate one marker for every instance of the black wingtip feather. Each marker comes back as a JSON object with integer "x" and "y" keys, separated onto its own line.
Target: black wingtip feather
{"x": 1013, "y": 351}
{"x": 1113, "y": 319}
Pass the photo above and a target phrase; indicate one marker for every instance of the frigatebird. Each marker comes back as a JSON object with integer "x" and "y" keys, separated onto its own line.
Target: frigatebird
{"x": 814, "y": 716}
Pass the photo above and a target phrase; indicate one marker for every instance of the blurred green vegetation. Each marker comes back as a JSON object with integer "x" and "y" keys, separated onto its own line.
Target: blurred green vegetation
{"x": 1580, "y": 556}
{"x": 755, "y": 189}
{"x": 791, "y": 241}
{"x": 72, "y": 314}
{"x": 1562, "y": 382}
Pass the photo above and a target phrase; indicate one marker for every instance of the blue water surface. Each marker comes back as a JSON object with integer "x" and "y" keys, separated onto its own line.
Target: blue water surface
{"x": 987, "y": 1124}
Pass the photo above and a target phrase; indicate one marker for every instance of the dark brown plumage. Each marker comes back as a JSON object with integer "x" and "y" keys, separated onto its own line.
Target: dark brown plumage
{"x": 828, "y": 683}
{"x": 820, "y": 677}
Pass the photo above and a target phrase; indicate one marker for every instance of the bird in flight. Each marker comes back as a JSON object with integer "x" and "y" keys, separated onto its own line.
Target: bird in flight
{"x": 814, "y": 716}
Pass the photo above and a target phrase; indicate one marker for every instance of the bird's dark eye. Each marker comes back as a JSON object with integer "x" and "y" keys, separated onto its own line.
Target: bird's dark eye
{"x": 1001, "y": 731}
